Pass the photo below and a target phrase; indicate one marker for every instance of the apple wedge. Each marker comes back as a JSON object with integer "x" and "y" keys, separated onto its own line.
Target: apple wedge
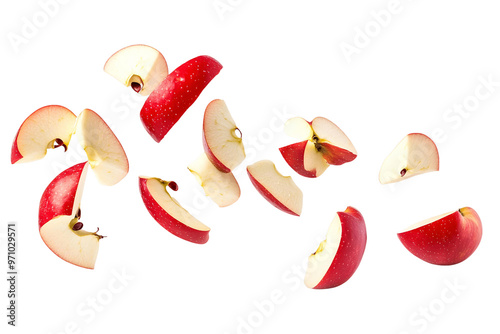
{"x": 48, "y": 127}
{"x": 446, "y": 239}
{"x": 340, "y": 254}
{"x": 139, "y": 66}
{"x": 416, "y": 154}
{"x": 169, "y": 101}
{"x": 221, "y": 187}
{"x": 169, "y": 213}
{"x": 221, "y": 137}
{"x": 277, "y": 189}
{"x": 322, "y": 144}
{"x": 104, "y": 151}
{"x": 58, "y": 219}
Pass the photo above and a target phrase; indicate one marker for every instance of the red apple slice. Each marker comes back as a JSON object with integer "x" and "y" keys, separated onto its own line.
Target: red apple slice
{"x": 446, "y": 239}
{"x": 169, "y": 213}
{"x": 221, "y": 187}
{"x": 167, "y": 103}
{"x": 416, "y": 154}
{"x": 340, "y": 254}
{"x": 277, "y": 189}
{"x": 48, "y": 127}
{"x": 104, "y": 151}
{"x": 139, "y": 66}
{"x": 323, "y": 144}
{"x": 221, "y": 137}
{"x": 58, "y": 219}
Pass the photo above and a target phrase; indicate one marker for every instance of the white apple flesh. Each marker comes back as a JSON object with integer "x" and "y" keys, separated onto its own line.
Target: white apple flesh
{"x": 139, "y": 66}
{"x": 340, "y": 254}
{"x": 221, "y": 137}
{"x": 104, "y": 151}
{"x": 221, "y": 187}
{"x": 416, "y": 154}
{"x": 169, "y": 213}
{"x": 59, "y": 213}
{"x": 277, "y": 189}
{"x": 48, "y": 127}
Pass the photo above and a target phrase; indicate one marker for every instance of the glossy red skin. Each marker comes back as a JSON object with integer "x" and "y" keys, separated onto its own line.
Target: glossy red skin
{"x": 268, "y": 196}
{"x": 213, "y": 159}
{"x": 294, "y": 156}
{"x": 59, "y": 196}
{"x": 447, "y": 241}
{"x": 15, "y": 155}
{"x": 350, "y": 252}
{"x": 168, "y": 222}
{"x": 167, "y": 103}
{"x": 335, "y": 155}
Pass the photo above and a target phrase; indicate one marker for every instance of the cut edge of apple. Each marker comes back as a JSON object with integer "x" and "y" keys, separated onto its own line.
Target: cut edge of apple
{"x": 48, "y": 127}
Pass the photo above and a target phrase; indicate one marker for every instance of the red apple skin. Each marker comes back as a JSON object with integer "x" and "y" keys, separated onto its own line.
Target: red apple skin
{"x": 59, "y": 196}
{"x": 335, "y": 155}
{"x": 168, "y": 222}
{"x": 15, "y": 155}
{"x": 447, "y": 241}
{"x": 268, "y": 196}
{"x": 213, "y": 159}
{"x": 350, "y": 252}
{"x": 294, "y": 156}
{"x": 167, "y": 103}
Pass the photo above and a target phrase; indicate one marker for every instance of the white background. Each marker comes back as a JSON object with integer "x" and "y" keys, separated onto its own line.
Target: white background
{"x": 280, "y": 58}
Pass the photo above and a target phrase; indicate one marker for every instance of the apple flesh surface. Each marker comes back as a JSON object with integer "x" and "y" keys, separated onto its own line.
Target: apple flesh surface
{"x": 416, "y": 154}
{"x": 221, "y": 137}
{"x": 167, "y": 103}
{"x": 277, "y": 189}
{"x": 340, "y": 254}
{"x": 46, "y": 128}
{"x": 59, "y": 212}
{"x": 322, "y": 144}
{"x": 139, "y": 66}
{"x": 221, "y": 187}
{"x": 446, "y": 239}
{"x": 169, "y": 213}
{"x": 104, "y": 151}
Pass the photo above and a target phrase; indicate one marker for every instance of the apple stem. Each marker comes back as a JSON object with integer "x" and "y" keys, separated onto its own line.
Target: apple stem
{"x": 100, "y": 236}
{"x": 137, "y": 87}
{"x": 403, "y": 172}
{"x": 58, "y": 143}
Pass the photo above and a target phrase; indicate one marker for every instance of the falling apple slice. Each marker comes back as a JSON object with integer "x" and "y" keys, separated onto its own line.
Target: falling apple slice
{"x": 58, "y": 219}
{"x": 168, "y": 212}
{"x": 48, "y": 127}
{"x": 104, "y": 151}
{"x": 139, "y": 66}
{"x": 221, "y": 137}
{"x": 416, "y": 154}
{"x": 323, "y": 144}
{"x": 221, "y": 187}
{"x": 446, "y": 239}
{"x": 167, "y": 103}
{"x": 340, "y": 254}
{"x": 277, "y": 189}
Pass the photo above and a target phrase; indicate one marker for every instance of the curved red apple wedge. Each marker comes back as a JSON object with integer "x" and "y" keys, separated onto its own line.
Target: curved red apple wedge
{"x": 167, "y": 103}
{"x": 141, "y": 67}
{"x": 58, "y": 219}
{"x": 414, "y": 155}
{"x": 104, "y": 151}
{"x": 296, "y": 155}
{"x": 169, "y": 213}
{"x": 221, "y": 137}
{"x": 277, "y": 189}
{"x": 48, "y": 127}
{"x": 340, "y": 254}
{"x": 446, "y": 239}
